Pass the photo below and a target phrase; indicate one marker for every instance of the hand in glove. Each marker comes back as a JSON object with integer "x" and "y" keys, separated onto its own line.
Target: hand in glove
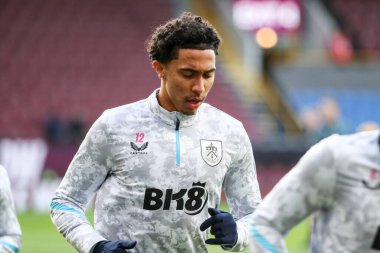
{"x": 223, "y": 227}
{"x": 119, "y": 246}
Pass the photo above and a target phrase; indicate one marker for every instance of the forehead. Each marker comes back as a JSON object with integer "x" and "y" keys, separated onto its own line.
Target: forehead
{"x": 195, "y": 59}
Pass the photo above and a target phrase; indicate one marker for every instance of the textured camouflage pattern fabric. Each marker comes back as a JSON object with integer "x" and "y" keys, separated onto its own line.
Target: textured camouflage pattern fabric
{"x": 10, "y": 231}
{"x": 338, "y": 181}
{"x": 154, "y": 183}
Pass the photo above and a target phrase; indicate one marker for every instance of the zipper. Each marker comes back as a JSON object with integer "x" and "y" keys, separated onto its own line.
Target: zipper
{"x": 178, "y": 145}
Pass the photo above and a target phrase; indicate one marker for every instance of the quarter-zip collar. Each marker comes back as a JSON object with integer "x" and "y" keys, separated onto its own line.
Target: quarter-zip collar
{"x": 170, "y": 118}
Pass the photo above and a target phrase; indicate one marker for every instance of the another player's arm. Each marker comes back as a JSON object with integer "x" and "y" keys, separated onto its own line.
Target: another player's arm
{"x": 306, "y": 188}
{"x": 242, "y": 190}
{"x": 10, "y": 231}
{"x": 86, "y": 173}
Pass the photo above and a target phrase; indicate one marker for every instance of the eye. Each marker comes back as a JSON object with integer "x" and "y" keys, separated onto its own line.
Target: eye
{"x": 208, "y": 75}
{"x": 188, "y": 73}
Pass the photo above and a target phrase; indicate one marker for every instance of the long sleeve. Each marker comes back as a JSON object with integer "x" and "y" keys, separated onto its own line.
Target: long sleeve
{"x": 242, "y": 189}
{"x": 86, "y": 173}
{"x": 129, "y": 159}
{"x": 10, "y": 231}
{"x": 307, "y": 187}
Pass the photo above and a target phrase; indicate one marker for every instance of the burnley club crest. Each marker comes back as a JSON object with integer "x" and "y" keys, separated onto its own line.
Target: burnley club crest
{"x": 211, "y": 151}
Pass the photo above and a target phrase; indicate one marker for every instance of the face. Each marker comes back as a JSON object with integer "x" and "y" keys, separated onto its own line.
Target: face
{"x": 186, "y": 81}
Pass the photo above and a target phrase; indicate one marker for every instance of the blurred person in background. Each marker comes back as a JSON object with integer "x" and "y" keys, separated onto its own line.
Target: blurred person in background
{"x": 158, "y": 165}
{"x": 10, "y": 231}
{"x": 367, "y": 126}
{"x": 53, "y": 129}
{"x": 331, "y": 118}
{"x": 310, "y": 123}
{"x": 322, "y": 121}
{"x": 338, "y": 181}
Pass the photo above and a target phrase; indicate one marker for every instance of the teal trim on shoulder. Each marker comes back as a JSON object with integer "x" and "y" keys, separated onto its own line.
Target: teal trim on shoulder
{"x": 262, "y": 241}
{"x": 10, "y": 246}
{"x": 61, "y": 207}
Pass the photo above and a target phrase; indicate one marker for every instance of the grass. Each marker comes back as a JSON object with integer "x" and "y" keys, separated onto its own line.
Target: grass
{"x": 40, "y": 235}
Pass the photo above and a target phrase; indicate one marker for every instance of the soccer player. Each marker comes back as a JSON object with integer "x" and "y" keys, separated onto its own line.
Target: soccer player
{"x": 10, "y": 231}
{"x": 338, "y": 181}
{"x": 158, "y": 165}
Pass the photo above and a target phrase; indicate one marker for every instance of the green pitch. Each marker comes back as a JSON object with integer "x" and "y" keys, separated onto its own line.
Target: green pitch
{"x": 39, "y": 235}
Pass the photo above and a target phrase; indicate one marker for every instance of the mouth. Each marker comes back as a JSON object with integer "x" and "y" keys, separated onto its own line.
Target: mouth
{"x": 194, "y": 103}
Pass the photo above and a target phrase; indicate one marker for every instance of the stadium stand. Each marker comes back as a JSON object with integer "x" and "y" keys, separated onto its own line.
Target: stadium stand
{"x": 73, "y": 59}
{"x": 350, "y": 15}
{"x": 70, "y": 60}
{"x": 310, "y": 73}
{"x": 356, "y": 89}
{"x": 77, "y": 58}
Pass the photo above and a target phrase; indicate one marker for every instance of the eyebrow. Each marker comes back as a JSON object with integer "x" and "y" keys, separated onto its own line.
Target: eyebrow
{"x": 196, "y": 71}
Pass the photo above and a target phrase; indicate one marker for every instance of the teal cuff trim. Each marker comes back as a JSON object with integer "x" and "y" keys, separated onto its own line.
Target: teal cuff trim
{"x": 61, "y": 207}
{"x": 10, "y": 246}
{"x": 262, "y": 241}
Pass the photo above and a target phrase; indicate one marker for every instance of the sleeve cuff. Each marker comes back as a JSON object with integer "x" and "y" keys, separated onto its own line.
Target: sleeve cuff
{"x": 242, "y": 240}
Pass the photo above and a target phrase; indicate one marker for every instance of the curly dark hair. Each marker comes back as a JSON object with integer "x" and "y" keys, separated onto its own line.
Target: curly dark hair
{"x": 188, "y": 31}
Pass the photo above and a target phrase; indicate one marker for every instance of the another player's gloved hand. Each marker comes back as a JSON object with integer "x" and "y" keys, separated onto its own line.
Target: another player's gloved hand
{"x": 119, "y": 246}
{"x": 223, "y": 227}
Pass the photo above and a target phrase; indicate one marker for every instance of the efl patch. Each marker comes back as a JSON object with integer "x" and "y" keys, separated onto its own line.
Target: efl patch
{"x": 372, "y": 180}
{"x": 212, "y": 152}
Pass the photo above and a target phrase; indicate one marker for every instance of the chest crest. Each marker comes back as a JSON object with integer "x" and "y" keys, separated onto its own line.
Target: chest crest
{"x": 211, "y": 151}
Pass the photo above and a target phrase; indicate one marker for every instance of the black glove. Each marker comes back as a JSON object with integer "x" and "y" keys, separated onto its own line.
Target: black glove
{"x": 119, "y": 246}
{"x": 223, "y": 227}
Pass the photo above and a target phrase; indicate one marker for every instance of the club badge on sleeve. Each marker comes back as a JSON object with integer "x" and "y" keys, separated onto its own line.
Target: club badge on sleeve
{"x": 211, "y": 151}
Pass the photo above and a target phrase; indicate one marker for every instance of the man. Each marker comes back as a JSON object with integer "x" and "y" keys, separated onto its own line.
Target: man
{"x": 10, "y": 231}
{"x": 338, "y": 182}
{"x": 158, "y": 165}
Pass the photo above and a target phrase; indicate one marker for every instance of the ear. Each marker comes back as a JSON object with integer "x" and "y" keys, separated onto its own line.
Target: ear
{"x": 159, "y": 68}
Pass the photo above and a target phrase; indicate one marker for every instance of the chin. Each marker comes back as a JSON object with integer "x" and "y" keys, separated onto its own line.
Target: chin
{"x": 189, "y": 112}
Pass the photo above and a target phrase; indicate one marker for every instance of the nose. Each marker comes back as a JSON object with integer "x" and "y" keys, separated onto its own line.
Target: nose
{"x": 199, "y": 85}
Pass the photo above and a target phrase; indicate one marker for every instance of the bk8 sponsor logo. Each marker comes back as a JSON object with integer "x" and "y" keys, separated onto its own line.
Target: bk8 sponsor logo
{"x": 191, "y": 200}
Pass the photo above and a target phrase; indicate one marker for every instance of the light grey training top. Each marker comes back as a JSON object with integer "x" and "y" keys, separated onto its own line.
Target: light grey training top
{"x": 10, "y": 231}
{"x": 338, "y": 181}
{"x": 156, "y": 173}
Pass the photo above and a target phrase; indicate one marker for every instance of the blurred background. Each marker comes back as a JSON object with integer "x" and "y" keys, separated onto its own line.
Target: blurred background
{"x": 293, "y": 71}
